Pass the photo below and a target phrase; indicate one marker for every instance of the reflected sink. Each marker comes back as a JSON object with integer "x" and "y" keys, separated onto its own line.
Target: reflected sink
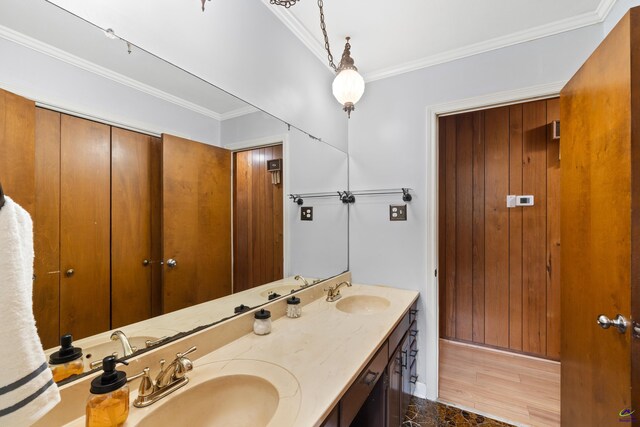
{"x": 280, "y": 290}
{"x": 233, "y": 400}
{"x": 100, "y": 351}
{"x": 363, "y": 304}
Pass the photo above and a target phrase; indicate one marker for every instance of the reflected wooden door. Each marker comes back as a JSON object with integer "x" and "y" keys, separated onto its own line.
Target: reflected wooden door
{"x": 131, "y": 255}
{"x": 85, "y": 193}
{"x": 600, "y": 226}
{"x": 257, "y": 219}
{"x": 46, "y": 228}
{"x": 196, "y": 223}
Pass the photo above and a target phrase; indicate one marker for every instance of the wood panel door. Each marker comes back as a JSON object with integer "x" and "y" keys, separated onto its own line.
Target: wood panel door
{"x": 85, "y": 193}
{"x": 257, "y": 219}
{"x": 46, "y": 228}
{"x": 131, "y": 212}
{"x": 17, "y": 149}
{"x": 500, "y": 267}
{"x": 196, "y": 197}
{"x": 600, "y": 227}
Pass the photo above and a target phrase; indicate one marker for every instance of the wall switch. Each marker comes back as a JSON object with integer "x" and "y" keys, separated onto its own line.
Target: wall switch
{"x": 397, "y": 212}
{"x": 306, "y": 213}
{"x": 524, "y": 200}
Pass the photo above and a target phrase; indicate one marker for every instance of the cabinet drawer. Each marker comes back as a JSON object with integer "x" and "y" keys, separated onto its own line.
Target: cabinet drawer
{"x": 398, "y": 333}
{"x": 361, "y": 388}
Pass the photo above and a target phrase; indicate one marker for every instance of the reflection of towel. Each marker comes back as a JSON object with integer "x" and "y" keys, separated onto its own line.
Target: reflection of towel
{"x": 27, "y": 390}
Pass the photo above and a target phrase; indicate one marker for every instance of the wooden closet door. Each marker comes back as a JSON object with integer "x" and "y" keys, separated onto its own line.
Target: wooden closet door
{"x": 46, "y": 228}
{"x": 85, "y": 191}
{"x": 17, "y": 149}
{"x": 130, "y": 227}
{"x": 196, "y": 222}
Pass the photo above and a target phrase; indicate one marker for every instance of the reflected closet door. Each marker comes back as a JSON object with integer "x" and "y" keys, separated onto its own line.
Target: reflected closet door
{"x": 196, "y": 222}
{"x": 130, "y": 227}
{"x": 85, "y": 161}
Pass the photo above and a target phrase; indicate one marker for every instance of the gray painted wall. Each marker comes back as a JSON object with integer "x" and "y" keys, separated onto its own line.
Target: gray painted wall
{"x": 389, "y": 142}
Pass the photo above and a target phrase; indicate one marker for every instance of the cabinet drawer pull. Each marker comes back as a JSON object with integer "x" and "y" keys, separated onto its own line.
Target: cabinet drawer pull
{"x": 370, "y": 377}
{"x": 414, "y": 352}
{"x": 403, "y": 359}
{"x": 413, "y": 379}
{"x": 413, "y": 332}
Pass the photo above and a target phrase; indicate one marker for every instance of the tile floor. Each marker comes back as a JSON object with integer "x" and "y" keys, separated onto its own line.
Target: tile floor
{"x": 425, "y": 413}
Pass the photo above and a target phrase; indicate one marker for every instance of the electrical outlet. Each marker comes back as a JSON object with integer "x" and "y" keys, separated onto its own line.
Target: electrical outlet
{"x": 306, "y": 213}
{"x": 397, "y": 212}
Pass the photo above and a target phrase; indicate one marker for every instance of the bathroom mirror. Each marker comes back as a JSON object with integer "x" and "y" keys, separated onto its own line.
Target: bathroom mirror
{"x": 186, "y": 143}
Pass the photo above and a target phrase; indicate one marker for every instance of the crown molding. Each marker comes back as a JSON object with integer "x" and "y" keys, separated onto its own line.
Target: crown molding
{"x": 61, "y": 55}
{"x": 546, "y": 30}
{"x": 239, "y": 112}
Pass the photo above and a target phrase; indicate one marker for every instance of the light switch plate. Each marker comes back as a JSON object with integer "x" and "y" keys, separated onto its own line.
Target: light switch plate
{"x": 306, "y": 213}
{"x": 397, "y": 212}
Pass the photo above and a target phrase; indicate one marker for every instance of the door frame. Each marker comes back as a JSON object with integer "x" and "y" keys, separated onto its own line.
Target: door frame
{"x": 250, "y": 144}
{"x": 433, "y": 112}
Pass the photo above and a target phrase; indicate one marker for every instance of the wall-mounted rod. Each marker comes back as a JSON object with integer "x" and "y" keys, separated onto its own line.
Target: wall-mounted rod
{"x": 299, "y": 198}
{"x": 406, "y": 193}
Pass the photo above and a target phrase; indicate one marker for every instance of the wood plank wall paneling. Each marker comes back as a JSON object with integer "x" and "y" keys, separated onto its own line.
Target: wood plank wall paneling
{"x": 258, "y": 229}
{"x": 499, "y": 268}
{"x": 46, "y": 228}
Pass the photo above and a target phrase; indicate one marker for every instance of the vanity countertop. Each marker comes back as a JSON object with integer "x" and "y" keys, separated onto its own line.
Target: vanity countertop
{"x": 324, "y": 350}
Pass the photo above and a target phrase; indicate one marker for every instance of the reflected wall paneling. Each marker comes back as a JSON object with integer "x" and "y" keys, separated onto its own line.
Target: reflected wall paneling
{"x": 46, "y": 228}
{"x": 196, "y": 222}
{"x": 499, "y": 267}
{"x": 17, "y": 149}
{"x": 258, "y": 216}
{"x": 131, "y": 178}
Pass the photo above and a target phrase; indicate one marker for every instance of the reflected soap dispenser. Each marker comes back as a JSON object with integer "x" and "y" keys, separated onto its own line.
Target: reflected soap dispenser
{"x": 67, "y": 361}
{"x": 108, "y": 403}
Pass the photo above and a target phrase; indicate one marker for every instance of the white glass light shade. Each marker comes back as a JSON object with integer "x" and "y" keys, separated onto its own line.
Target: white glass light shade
{"x": 348, "y": 87}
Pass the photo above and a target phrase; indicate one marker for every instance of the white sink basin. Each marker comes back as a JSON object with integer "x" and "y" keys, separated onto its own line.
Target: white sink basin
{"x": 233, "y": 393}
{"x": 362, "y": 304}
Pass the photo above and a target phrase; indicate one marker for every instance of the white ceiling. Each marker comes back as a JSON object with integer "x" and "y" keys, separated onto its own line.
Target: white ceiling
{"x": 392, "y": 37}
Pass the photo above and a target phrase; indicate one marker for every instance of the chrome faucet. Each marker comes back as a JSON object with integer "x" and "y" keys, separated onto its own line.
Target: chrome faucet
{"x": 333, "y": 293}
{"x": 306, "y": 283}
{"x": 168, "y": 380}
{"x": 126, "y": 346}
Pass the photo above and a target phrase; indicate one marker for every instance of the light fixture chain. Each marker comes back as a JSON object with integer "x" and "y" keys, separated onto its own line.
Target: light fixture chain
{"x": 323, "y": 27}
{"x": 285, "y": 3}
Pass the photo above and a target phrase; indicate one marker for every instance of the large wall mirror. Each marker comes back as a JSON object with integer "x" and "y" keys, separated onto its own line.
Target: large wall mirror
{"x": 161, "y": 203}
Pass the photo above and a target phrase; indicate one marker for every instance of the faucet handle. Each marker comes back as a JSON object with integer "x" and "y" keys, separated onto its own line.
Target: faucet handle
{"x": 191, "y": 350}
{"x": 146, "y": 386}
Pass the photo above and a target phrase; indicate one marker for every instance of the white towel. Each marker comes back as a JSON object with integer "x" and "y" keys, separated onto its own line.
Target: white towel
{"x": 27, "y": 390}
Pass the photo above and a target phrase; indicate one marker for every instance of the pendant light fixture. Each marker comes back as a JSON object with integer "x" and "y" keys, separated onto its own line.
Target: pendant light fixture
{"x": 348, "y": 86}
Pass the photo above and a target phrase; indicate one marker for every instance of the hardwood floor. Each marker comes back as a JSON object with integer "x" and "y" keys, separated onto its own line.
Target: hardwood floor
{"x": 522, "y": 389}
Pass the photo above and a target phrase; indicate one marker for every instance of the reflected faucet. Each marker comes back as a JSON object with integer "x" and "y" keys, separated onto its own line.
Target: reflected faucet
{"x": 126, "y": 346}
{"x": 306, "y": 283}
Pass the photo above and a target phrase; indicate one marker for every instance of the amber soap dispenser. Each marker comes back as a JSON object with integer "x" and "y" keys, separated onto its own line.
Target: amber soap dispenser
{"x": 108, "y": 403}
{"x": 67, "y": 361}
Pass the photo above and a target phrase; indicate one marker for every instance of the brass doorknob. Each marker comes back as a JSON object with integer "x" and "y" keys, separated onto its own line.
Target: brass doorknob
{"x": 70, "y": 272}
{"x": 145, "y": 262}
{"x": 620, "y": 323}
{"x": 172, "y": 263}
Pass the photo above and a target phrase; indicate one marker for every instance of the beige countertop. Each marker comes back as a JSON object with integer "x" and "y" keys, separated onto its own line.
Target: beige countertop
{"x": 315, "y": 358}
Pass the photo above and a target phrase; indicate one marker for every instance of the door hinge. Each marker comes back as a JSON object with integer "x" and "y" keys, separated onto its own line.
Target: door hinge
{"x": 435, "y": 273}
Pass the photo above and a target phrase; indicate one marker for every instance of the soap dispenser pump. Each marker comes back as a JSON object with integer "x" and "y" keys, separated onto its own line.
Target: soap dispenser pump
{"x": 67, "y": 361}
{"x": 108, "y": 403}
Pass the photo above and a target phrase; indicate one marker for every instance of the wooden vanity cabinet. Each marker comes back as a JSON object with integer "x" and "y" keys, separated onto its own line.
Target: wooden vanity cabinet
{"x": 380, "y": 395}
